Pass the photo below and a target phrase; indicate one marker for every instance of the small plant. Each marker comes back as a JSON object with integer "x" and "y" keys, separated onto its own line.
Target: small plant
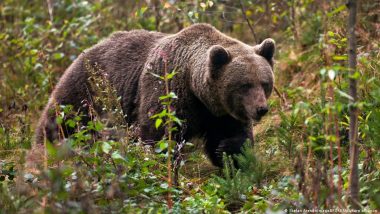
{"x": 7, "y": 171}
{"x": 168, "y": 119}
{"x": 236, "y": 185}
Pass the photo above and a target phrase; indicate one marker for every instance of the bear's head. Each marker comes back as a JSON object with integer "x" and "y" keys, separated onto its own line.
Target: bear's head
{"x": 240, "y": 78}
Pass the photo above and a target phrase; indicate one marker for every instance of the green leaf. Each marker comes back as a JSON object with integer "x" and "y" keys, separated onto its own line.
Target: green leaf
{"x": 322, "y": 72}
{"x": 164, "y": 185}
{"x": 59, "y": 120}
{"x": 330, "y": 33}
{"x": 355, "y": 76}
{"x": 70, "y": 123}
{"x": 106, "y": 147}
{"x": 344, "y": 94}
{"x": 117, "y": 156}
{"x": 171, "y": 75}
{"x": 340, "y": 57}
{"x": 33, "y": 52}
{"x": 178, "y": 121}
{"x": 163, "y": 113}
{"x": 98, "y": 126}
{"x": 158, "y": 123}
{"x": 51, "y": 150}
{"x": 58, "y": 56}
{"x": 95, "y": 125}
{"x": 163, "y": 145}
{"x": 141, "y": 11}
{"x": 337, "y": 10}
{"x": 171, "y": 95}
{"x": 156, "y": 75}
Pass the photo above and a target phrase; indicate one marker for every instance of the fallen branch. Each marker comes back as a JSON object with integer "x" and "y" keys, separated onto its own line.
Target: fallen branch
{"x": 280, "y": 95}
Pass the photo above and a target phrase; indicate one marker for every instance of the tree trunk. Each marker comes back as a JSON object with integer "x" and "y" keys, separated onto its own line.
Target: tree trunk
{"x": 293, "y": 12}
{"x": 353, "y": 134}
{"x": 156, "y": 6}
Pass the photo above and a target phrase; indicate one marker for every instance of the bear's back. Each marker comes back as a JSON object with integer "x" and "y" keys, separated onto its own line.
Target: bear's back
{"x": 122, "y": 56}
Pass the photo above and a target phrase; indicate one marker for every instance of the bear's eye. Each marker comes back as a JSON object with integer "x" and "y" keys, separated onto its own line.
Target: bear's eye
{"x": 266, "y": 87}
{"x": 246, "y": 87}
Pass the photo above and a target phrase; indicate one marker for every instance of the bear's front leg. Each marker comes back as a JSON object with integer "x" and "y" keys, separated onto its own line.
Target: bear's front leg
{"x": 226, "y": 136}
{"x": 230, "y": 146}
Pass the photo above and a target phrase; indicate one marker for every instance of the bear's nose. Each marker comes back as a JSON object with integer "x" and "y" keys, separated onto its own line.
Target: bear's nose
{"x": 261, "y": 111}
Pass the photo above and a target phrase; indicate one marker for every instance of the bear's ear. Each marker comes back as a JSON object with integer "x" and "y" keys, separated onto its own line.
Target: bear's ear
{"x": 266, "y": 49}
{"x": 218, "y": 56}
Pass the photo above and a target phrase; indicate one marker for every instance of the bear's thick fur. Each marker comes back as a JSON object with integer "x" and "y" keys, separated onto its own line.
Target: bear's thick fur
{"x": 222, "y": 84}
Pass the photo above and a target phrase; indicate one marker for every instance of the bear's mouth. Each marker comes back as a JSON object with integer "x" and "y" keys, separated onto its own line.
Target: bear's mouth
{"x": 245, "y": 117}
{"x": 254, "y": 117}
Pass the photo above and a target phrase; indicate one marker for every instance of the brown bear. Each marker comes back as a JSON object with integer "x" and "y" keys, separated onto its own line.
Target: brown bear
{"x": 222, "y": 84}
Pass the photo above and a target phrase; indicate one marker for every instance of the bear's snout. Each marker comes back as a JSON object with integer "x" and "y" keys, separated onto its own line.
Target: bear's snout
{"x": 258, "y": 112}
{"x": 261, "y": 111}
{"x": 255, "y": 104}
